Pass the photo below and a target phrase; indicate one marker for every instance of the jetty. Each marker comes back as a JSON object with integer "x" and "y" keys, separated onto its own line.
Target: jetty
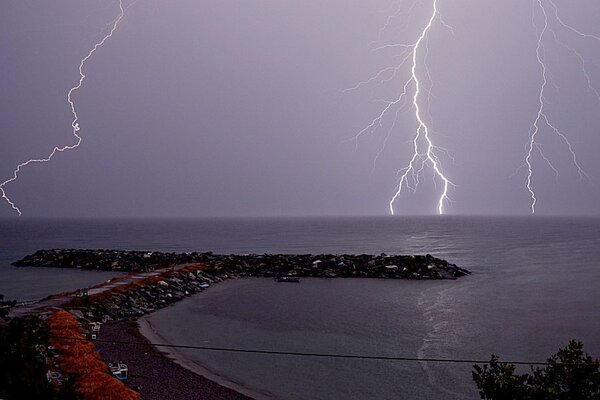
{"x": 252, "y": 265}
{"x": 78, "y": 321}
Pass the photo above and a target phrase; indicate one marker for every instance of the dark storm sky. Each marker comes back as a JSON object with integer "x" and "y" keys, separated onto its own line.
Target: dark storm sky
{"x": 228, "y": 108}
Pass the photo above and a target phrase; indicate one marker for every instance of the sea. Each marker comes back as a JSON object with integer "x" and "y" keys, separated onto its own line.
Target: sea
{"x": 535, "y": 285}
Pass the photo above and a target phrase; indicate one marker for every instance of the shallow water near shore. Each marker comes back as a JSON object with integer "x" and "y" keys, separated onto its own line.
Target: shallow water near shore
{"x": 534, "y": 286}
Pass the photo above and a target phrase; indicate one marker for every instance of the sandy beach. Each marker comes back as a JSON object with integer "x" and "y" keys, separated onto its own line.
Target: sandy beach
{"x": 173, "y": 355}
{"x": 155, "y": 374}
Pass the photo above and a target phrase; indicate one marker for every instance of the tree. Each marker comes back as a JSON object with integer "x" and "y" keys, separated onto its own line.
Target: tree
{"x": 22, "y": 365}
{"x": 5, "y": 307}
{"x": 569, "y": 374}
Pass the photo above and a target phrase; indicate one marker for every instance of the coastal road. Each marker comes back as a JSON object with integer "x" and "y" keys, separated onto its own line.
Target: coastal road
{"x": 59, "y": 300}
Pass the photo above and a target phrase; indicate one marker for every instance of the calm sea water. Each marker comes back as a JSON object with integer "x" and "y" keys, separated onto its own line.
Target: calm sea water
{"x": 535, "y": 285}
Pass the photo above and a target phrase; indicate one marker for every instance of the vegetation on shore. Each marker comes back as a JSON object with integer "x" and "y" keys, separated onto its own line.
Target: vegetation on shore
{"x": 78, "y": 360}
{"x": 5, "y": 307}
{"x": 22, "y": 361}
{"x": 569, "y": 375}
{"x": 48, "y": 357}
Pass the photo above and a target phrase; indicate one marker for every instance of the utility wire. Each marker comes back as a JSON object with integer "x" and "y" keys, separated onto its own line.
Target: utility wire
{"x": 320, "y": 355}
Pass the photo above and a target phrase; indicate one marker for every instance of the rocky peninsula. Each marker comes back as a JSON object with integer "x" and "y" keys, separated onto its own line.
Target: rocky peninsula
{"x": 158, "y": 279}
{"x": 253, "y": 265}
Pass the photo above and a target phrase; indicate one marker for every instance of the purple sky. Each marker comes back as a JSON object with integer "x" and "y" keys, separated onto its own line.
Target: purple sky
{"x": 227, "y": 108}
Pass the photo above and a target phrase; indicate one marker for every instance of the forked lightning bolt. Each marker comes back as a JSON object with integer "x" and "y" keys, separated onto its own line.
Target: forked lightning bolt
{"x": 424, "y": 150}
{"x": 74, "y": 123}
{"x": 542, "y": 120}
{"x": 422, "y": 128}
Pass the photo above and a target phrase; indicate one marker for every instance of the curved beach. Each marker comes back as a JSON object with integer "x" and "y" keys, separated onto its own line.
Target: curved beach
{"x": 173, "y": 356}
{"x": 161, "y": 375}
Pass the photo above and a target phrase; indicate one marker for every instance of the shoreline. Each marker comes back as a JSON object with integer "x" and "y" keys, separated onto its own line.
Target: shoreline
{"x": 157, "y": 280}
{"x": 155, "y": 374}
{"x": 147, "y": 331}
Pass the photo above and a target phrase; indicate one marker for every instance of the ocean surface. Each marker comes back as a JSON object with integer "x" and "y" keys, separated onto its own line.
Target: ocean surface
{"x": 535, "y": 285}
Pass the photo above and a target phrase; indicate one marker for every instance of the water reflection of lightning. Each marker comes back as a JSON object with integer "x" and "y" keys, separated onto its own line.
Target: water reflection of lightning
{"x": 541, "y": 119}
{"x": 74, "y": 122}
{"x": 424, "y": 151}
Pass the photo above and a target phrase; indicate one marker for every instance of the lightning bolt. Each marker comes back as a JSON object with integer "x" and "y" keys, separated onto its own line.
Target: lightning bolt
{"x": 541, "y": 118}
{"x": 74, "y": 123}
{"x": 424, "y": 150}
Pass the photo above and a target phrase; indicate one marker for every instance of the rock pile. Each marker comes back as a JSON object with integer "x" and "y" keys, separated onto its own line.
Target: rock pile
{"x": 259, "y": 265}
{"x": 106, "y": 260}
{"x": 143, "y": 297}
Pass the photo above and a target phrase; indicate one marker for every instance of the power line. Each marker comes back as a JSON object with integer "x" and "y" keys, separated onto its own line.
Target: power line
{"x": 319, "y": 355}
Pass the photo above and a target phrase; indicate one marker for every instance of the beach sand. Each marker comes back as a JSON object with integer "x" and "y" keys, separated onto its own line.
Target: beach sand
{"x": 157, "y": 375}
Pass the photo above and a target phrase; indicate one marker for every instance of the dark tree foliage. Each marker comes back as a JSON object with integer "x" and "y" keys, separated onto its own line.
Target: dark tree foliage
{"x": 5, "y": 307}
{"x": 569, "y": 375}
{"x": 23, "y": 362}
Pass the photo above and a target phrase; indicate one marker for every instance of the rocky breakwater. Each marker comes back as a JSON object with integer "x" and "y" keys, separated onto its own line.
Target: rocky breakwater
{"x": 258, "y": 265}
{"x": 197, "y": 271}
{"x": 144, "y": 296}
{"x": 106, "y": 260}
